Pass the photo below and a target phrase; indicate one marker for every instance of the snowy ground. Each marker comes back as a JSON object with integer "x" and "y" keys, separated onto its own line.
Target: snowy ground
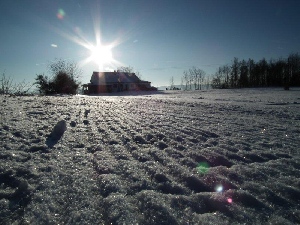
{"x": 206, "y": 157}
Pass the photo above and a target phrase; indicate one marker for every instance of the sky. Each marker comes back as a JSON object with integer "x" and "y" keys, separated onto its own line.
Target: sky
{"x": 159, "y": 38}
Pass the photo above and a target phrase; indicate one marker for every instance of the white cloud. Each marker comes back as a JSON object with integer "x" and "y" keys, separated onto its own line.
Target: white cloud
{"x": 54, "y": 45}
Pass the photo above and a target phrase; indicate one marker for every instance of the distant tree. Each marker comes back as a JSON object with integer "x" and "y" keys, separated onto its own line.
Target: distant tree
{"x": 193, "y": 77}
{"x": 251, "y": 65}
{"x": 64, "y": 79}
{"x": 208, "y": 81}
{"x": 216, "y": 80}
{"x": 125, "y": 69}
{"x": 235, "y": 67}
{"x": 63, "y": 83}
{"x": 181, "y": 83}
{"x": 220, "y": 77}
{"x": 63, "y": 66}
{"x": 138, "y": 74}
{"x": 43, "y": 84}
{"x": 171, "y": 83}
{"x": 263, "y": 72}
{"x": 186, "y": 79}
{"x": 129, "y": 69}
{"x": 293, "y": 73}
{"x": 197, "y": 77}
{"x": 226, "y": 72}
{"x": 243, "y": 74}
{"x": 281, "y": 72}
{"x": 8, "y": 86}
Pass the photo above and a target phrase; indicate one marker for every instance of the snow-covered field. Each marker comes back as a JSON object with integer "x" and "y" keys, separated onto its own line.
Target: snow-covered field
{"x": 204, "y": 157}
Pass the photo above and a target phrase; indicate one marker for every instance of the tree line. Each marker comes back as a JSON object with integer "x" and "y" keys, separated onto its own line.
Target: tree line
{"x": 242, "y": 73}
{"x": 193, "y": 79}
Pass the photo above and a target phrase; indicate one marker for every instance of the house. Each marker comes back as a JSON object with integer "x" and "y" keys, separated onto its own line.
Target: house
{"x": 103, "y": 82}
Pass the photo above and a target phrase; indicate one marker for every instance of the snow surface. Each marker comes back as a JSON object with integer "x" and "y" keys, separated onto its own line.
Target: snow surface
{"x": 203, "y": 157}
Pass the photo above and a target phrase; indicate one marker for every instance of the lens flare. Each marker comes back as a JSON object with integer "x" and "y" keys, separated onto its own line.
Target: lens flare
{"x": 219, "y": 188}
{"x": 60, "y": 14}
{"x": 203, "y": 167}
{"x": 98, "y": 53}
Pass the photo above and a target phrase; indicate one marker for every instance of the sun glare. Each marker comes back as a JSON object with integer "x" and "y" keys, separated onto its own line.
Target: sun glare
{"x": 101, "y": 55}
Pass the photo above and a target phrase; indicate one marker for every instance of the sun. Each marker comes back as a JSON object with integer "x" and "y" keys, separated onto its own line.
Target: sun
{"x": 101, "y": 55}
{"x": 97, "y": 53}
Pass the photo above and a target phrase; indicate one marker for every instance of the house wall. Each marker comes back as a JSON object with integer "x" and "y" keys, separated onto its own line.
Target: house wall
{"x": 147, "y": 84}
{"x": 131, "y": 87}
{"x": 116, "y": 87}
{"x": 94, "y": 89}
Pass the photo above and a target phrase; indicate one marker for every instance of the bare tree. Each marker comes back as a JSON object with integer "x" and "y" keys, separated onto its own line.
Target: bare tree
{"x": 208, "y": 82}
{"x": 125, "y": 69}
{"x": 216, "y": 80}
{"x": 129, "y": 69}
{"x": 191, "y": 78}
{"x": 62, "y": 66}
{"x": 22, "y": 88}
{"x": 6, "y": 84}
{"x": 138, "y": 74}
{"x": 195, "y": 77}
{"x": 181, "y": 83}
{"x": 171, "y": 83}
{"x": 64, "y": 79}
{"x": 198, "y": 77}
{"x": 186, "y": 79}
{"x": 226, "y": 71}
{"x": 201, "y": 75}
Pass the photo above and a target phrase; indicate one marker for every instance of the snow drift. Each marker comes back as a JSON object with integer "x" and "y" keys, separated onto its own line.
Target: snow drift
{"x": 205, "y": 157}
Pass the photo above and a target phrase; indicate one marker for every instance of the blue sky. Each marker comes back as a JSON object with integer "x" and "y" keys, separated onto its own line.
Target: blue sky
{"x": 158, "y": 38}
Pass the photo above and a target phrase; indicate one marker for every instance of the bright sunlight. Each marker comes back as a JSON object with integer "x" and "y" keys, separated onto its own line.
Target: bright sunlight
{"x": 101, "y": 55}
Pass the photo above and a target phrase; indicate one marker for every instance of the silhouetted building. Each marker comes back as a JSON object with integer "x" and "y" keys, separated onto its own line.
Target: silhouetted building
{"x": 103, "y": 82}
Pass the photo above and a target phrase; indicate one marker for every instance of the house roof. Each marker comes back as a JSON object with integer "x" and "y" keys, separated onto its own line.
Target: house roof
{"x": 113, "y": 77}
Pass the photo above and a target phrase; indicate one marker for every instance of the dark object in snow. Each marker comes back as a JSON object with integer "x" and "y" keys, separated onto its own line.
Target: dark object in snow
{"x": 59, "y": 129}
{"x": 160, "y": 178}
{"x": 196, "y": 184}
{"x": 86, "y": 122}
{"x": 36, "y": 148}
{"x": 140, "y": 140}
{"x": 56, "y": 133}
{"x": 87, "y": 111}
{"x": 5, "y": 127}
{"x": 73, "y": 124}
{"x": 17, "y": 193}
{"x": 161, "y": 145}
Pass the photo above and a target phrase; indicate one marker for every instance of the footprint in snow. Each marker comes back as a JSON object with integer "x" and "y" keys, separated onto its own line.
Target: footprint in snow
{"x": 56, "y": 134}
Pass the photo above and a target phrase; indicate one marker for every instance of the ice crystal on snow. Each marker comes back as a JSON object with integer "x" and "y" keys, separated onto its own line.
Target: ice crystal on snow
{"x": 165, "y": 158}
